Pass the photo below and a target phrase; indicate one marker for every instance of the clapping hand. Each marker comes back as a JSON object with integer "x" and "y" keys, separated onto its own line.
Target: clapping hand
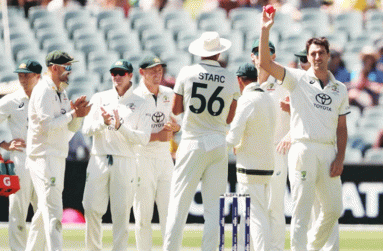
{"x": 81, "y": 106}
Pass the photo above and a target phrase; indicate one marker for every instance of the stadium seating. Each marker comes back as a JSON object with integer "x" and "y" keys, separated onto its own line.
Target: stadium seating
{"x": 374, "y": 156}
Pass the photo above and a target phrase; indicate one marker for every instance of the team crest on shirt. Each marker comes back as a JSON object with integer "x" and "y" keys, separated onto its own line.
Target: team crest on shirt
{"x": 166, "y": 99}
{"x": 131, "y": 106}
{"x": 271, "y": 87}
{"x": 335, "y": 88}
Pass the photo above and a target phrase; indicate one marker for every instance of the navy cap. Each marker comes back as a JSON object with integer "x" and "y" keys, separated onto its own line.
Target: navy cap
{"x": 247, "y": 70}
{"x": 29, "y": 66}
{"x": 122, "y": 64}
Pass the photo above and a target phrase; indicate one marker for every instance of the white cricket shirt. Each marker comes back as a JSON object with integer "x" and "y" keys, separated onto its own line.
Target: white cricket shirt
{"x": 135, "y": 115}
{"x": 50, "y": 124}
{"x": 159, "y": 117}
{"x": 314, "y": 110}
{"x": 208, "y": 91}
{"x": 14, "y": 109}
{"x": 278, "y": 93}
{"x": 252, "y": 132}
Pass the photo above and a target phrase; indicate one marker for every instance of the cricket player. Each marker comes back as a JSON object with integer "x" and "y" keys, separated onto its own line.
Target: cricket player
{"x": 319, "y": 104}
{"x": 14, "y": 109}
{"x": 155, "y": 164}
{"x": 118, "y": 120}
{"x": 52, "y": 121}
{"x": 252, "y": 134}
{"x": 206, "y": 94}
{"x": 332, "y": 243}
{"x": 277, "y": 183}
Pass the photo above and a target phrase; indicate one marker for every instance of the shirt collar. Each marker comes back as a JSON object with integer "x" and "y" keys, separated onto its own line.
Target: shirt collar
{"x": 145, "y": 91}
{"x": 210, "y": 62}
{"x": 331, "y": 77}
{"x": 251, "y": 87}
{"x": 126, "y": 94}
{"x": 22, "y": 94}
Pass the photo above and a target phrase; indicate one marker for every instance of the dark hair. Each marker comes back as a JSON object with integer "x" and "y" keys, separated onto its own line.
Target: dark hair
{"x": 318, "y": 41}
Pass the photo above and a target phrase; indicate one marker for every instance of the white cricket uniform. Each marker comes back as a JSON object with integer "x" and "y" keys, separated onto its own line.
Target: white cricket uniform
{"x": 155, "y": 168}
{"x": 278, "y": 180}
{"x": 50, "y": 127}
{"x": 14, "y": 109}
{"x": 314, "y": 119}
{"x": 252, "y": 133}
{"x": 111, "y": 172}
{"x": 208, "y": 91}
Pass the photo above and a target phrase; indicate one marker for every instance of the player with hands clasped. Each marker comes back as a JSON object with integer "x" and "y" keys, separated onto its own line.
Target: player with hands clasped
{"x": 118, "y": 121}
{"x": 14, "y": 109}
{"x": 318, "y": 132}
{"x": 52, "y": 121}
{"x": 252, "y": 134}
{"x": 206, "y": 93}
{"x": 155, "y": 164}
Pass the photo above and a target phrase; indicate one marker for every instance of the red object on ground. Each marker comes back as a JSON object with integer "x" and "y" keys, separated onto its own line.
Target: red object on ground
{"x": 71, "y": 215}
{"x": 9, "y": 184}
{"x": 269, "y": 9}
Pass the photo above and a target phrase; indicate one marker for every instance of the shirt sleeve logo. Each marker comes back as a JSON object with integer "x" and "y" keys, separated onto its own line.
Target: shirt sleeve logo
{"x": 21, "y": 105}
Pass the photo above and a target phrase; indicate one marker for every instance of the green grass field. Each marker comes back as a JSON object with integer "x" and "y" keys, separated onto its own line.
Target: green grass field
{"x": 355, "y": 239}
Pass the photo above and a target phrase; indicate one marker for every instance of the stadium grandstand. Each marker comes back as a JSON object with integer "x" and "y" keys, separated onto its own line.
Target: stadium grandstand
{"x": 98, "y": 38}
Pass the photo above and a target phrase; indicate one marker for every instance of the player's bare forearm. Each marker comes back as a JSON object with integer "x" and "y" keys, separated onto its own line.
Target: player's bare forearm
{"x": 178, "y": 104}
{"x": 231, "y": 114}
{"x": 341, "y": 133}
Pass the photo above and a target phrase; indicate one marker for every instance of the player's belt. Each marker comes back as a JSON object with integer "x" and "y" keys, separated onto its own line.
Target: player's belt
{"x": 255, "y": 172}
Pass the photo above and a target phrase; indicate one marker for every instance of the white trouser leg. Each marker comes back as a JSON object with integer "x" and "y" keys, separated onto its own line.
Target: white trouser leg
{"x": 329, "y": 192}
{"x": 332, "y": 243}
{"x": 144, "y": 202}
{"x": 122, "y": 185}
{"x": 47, "y": 174}
{"x": 19, "y": 205}
{"x": 95, "y": 200}
{"x": 36, "y": 236}
{"x": 214, "y": 181}
{"x": 276, "y": 203}
{"x": 186, "y": 176}
{"x": 302, "y": 175}
{"x": 163, "y": 191}
{"x": 260, "y": 232}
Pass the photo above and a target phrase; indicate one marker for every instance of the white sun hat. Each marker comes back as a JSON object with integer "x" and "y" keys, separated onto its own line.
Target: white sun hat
{"x": 209, "y": 44}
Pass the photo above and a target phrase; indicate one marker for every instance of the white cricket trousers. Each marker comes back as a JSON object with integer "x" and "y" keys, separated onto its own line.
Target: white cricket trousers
{"x": 47, "y": 173}
{"x": 276, "y": 205}
{"x": 211, "y": 169}
{"x": 309, "y": 174}
{"x": 113, "y": 180}
{"x": 19, "y": 205}
{"x": 154, "y": 178}
{"x": 332, "y": 243}
{"x": 260, "y": 231}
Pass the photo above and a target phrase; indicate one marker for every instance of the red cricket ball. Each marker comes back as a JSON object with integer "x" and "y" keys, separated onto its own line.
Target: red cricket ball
{"x": 269, "y": 9}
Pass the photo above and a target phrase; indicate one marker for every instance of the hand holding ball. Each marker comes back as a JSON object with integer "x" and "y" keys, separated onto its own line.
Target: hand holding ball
{"x": 269, "y": 9}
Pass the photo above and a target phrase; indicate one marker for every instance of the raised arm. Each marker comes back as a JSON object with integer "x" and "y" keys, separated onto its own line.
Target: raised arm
{"x": 274, "y": 69}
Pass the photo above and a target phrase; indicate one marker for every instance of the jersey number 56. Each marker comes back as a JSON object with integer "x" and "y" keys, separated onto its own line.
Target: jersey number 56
{"x": 214, "y": 98}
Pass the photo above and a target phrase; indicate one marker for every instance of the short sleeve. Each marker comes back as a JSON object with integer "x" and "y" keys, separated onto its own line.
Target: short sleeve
{"x": 291, "y": 78}
{"x": 180, "y": 82}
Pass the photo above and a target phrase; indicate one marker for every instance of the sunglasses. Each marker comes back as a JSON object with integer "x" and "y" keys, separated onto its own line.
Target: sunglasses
{"x": 303, "y": 60}
{"x": 119, "y": 73}
{"x": 66, "y": 67}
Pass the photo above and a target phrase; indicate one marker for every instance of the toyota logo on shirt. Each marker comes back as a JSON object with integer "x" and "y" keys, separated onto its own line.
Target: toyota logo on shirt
{"x": 323, "y": 99}
{"x": 158, "y": 117}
